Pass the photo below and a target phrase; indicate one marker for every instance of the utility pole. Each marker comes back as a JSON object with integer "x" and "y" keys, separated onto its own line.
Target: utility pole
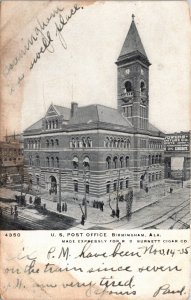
{"x": 117, "y": 198}
{"x": 85, "y": 198}
{"x": 59, "y": 192}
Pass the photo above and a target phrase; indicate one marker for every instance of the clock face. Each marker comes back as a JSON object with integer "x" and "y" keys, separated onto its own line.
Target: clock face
{"x": 127, "y": 71}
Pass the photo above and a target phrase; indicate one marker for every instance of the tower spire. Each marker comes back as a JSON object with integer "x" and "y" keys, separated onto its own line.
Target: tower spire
{"x": 133, "y": 16}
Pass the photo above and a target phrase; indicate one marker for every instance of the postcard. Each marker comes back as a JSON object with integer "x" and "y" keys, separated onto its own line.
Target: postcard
{"x": 95, "y": 150}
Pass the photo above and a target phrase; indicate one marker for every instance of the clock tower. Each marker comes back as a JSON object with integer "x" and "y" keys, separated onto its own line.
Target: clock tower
{"x": 133, "y": 80}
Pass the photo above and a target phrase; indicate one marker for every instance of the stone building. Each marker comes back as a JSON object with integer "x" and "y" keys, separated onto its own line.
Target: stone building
{"x": 11, "y": 159}
{"x": 96, "y": 149}
{"x": 177, "y": 155}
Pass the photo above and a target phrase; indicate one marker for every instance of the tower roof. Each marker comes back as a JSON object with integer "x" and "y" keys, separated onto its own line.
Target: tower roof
{"x": 132, "y": 42}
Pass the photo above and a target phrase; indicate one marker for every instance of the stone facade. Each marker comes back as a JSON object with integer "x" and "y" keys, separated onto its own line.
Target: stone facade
{"x": 99, "y": 150}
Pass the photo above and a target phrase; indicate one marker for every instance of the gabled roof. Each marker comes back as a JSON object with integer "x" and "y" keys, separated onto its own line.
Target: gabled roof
{"x": 132, "y": 42}
{"x": 153, "y": 128}
{"x": 99, "y": 113}
{"x": 58, "y": 110}
{"x": 37, "y": 125}
{"x": 64, "y": 111}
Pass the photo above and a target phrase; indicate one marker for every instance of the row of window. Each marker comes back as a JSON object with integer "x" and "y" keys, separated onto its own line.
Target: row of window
{"x": 84, "y": 142}
{"x": 155, "y": 144}
{"x": 52, "y": 124}
{"x": 111, "y": 142}
{"x": 116, "y": 162}
{"x": 128, "y": 110}
{"x": 151, "y": 160}
{"x": 122, "y": 183}
{"x": 11, "y": 159}
{"x": 11, "y": 151}
{"x": 154, "y": 177}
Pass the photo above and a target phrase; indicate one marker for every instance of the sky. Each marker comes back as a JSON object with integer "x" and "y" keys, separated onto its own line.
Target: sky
{"x": 79, "y": 65}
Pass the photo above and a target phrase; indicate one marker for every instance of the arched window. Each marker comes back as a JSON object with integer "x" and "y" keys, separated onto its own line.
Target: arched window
{"x": 56, "y": 124}
{"x": 111, "y": 142}
{"x": 142, "y": 86}
{"x": 89, "y": 142}
{"x": 127, "y": 161}
{"x": 127, "y": 183}
{"x": 115, "y": 185}
{"x": 150, "y": 160}
{"x": 73, "y": 143}
{"x": 75, "y": 186}
{"x": 57, "y": 142}
{"x": 47, "y": 162}
{"x": 53, "y": 124}
{"x": 52, "y": 142}
{"x": 153, "y": 160}
{"x": 108, "y": 187}
{"x": 156, "y": 159}
{"x": 75, "y": 163}
{"x": 47, "y": 143}
{"x": 121, "y": 162}
{"x": 46, "y": 125}
{"x": 84, "y": 142}
{"x": 107, "y": 142}
{"x": 108, "y": 161}
{"x": 122, "y": 143}
{"x": 49, "y": 123}
{"x": 57, "y": 162}
{"x": 115, "y": 162}
{"x": 114, "y": 143}
{"x": 128, "y": 86}
{"x": 86, "y": 163}
{"x": 121, "y": 184}
{"x": 77, "y": 143}
{"x": 118, "y": 143}
{"x": 52, "y": 161}
{"x": 160, "y": 159}
{"x": 153, "y": 177}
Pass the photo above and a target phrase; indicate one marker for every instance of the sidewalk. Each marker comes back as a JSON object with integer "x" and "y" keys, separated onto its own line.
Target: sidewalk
{"x": 96, "y": 216}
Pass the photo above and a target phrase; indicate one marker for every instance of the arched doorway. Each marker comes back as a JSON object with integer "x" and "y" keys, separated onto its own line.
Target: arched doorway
{"x": 141, "y": 181}
{"x": 53, "y": 185}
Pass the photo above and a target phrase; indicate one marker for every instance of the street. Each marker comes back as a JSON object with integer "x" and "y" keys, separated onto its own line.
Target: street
{"x": 172, "y": 211}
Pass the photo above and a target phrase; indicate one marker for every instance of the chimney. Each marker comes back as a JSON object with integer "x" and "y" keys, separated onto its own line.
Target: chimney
{"x": 74, "y": 107}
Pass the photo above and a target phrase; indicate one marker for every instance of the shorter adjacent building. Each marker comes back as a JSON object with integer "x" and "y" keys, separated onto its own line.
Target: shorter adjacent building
{"x": 177, "y": 155}
{"x": 11, "y": 159}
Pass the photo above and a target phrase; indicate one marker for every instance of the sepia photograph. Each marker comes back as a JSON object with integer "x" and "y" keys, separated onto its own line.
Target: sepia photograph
{"x": 95, "y": 126}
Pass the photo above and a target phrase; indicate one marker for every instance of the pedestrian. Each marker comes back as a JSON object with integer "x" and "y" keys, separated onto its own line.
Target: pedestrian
{"x": 63, "y": 207}
{"x": 66, "y": 207}
{"x": 16, "y": 215}
{"x": 117, "y": 213}
{"x": 30, "y": 199}
{"x": 171, "y": 190}
{"x": 83, "y": 220}
{"x": 113, "y": 213}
